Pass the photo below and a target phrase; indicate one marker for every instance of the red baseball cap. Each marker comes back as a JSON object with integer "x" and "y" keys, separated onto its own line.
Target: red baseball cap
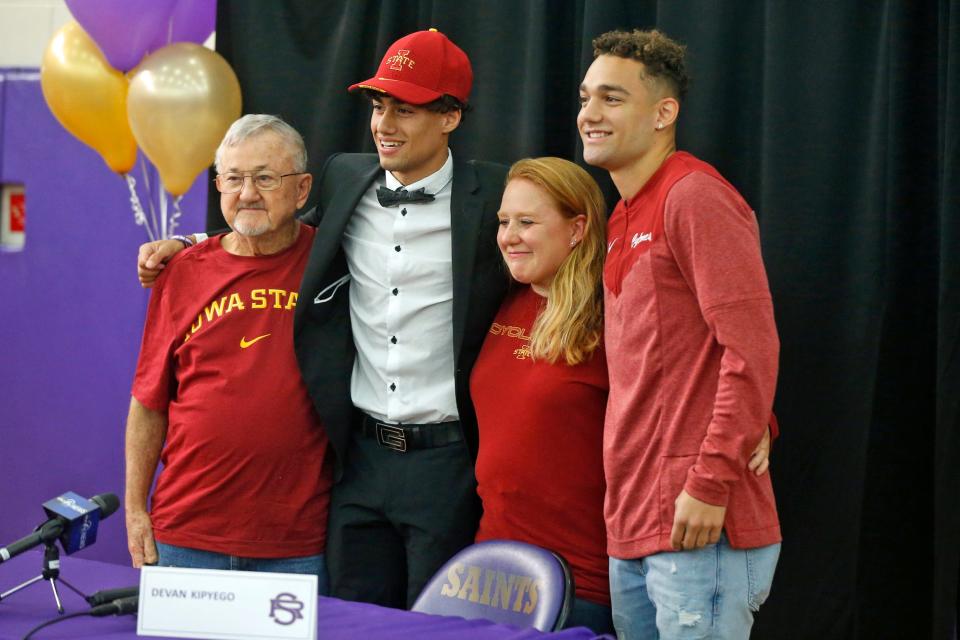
{"x": 421, "y": 67}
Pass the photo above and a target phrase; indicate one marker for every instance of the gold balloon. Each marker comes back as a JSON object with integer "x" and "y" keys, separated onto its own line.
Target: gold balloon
{"x": 88, "y": 96}
{"x": 182, "y": 99}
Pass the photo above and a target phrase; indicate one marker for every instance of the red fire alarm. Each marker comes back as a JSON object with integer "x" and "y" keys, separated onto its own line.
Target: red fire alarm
{"x": 13, "y": 217}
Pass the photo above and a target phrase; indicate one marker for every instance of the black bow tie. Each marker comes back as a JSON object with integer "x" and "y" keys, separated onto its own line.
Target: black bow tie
{"x": 391, "y": 198}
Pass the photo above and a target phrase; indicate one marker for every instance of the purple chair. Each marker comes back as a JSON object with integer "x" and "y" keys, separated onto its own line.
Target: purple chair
{"x": 504, "y": 581}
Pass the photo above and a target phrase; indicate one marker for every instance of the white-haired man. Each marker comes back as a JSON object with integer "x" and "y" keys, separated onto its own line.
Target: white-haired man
{"x": 217, "y": 396}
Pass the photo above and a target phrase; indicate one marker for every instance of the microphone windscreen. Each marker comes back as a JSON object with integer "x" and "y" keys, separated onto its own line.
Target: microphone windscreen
{"x": 107, "y": 502}
{"x": 109, "y": 595}
{"x": 127, "y": 605}
{"x": 119, "y": 607}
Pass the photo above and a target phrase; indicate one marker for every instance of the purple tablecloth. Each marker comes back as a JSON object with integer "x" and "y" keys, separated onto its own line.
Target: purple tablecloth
{"x": 337, "y": 620}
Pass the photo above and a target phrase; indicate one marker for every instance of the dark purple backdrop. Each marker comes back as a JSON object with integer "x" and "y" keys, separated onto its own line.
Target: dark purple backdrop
{"x": 71, "y": 315}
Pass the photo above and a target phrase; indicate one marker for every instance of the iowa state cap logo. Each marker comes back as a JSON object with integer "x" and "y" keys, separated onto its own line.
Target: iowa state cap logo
{"x": 400, "y": 60}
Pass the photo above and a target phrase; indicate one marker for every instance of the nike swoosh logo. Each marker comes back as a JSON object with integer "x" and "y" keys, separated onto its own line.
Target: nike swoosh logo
{"x": 244, "y": 343}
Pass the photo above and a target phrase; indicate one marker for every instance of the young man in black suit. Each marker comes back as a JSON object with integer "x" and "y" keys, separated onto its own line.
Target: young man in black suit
{"x": 393, "y": 308}
{"x": 402, "y": 283}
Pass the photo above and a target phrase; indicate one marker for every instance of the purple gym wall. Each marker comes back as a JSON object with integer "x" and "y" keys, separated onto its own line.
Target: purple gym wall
{"x": 71, "y": 316}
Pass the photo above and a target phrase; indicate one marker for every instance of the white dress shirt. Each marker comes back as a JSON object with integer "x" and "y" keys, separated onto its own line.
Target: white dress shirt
{"x": 401, "y": 303}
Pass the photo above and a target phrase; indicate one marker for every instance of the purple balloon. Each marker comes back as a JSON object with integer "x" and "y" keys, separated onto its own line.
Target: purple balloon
{"x": 191, "y": 21}
{"x": 125, "y": 30}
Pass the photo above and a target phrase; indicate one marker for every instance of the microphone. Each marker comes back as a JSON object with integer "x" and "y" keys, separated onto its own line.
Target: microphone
{"x": 72, "y": 518}
{"x": 108, "y": 595}
{"x": 119, "y": 607}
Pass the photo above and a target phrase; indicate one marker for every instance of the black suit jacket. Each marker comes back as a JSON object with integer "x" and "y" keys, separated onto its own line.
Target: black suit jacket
{"x": 322, "y": 334}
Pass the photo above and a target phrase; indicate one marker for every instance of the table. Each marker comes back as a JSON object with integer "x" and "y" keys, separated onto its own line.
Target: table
{"x": 337, "y": 619}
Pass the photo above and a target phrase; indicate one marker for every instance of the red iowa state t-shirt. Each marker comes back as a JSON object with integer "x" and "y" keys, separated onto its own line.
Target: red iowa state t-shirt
{"x": 540, "y": 462}
{"x": 244, "y": 462}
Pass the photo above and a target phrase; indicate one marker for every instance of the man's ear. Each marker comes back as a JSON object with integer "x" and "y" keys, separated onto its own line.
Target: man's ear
{"x": 451, "y": 120}
{"x": 303, "y": 189}
{"x": 667, "y": 111}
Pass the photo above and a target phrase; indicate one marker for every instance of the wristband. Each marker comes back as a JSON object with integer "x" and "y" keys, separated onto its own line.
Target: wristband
{"x": 187, "y": 242}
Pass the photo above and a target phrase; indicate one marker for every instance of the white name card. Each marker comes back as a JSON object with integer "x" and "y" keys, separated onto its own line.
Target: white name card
{"x": 234, "y": 605}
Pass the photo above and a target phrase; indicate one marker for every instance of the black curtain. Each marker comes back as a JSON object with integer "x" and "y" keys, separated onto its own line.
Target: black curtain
{"x": 838, "y": 121}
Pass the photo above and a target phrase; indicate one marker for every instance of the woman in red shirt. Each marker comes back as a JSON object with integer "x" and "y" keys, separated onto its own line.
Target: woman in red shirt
{"x": 540, "y": 381}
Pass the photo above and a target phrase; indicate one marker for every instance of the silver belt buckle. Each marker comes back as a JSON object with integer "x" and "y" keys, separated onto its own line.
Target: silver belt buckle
{"x": 392, "y": 437}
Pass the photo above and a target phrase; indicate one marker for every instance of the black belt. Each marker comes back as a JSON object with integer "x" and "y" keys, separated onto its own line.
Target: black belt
{"x": 406, "y": 437}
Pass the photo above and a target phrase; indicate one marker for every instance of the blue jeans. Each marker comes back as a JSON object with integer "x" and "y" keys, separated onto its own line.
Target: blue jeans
{"x": 591, "y": 615}
{"x": 711, "y": 592}
{"x": 173, "y": 556}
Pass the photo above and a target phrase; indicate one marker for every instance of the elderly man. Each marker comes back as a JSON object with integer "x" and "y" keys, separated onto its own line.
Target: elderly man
{"x": 692, "y": 351}
{"x": 403, "y": 281}
{"x": 217, "y": 395}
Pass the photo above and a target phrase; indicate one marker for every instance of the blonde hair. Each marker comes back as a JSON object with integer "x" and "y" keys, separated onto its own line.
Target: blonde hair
{"x": 571, "y": 325}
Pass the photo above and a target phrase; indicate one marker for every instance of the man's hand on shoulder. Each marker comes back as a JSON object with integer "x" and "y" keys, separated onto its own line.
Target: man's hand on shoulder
{"x": 143, "y": 549}
{"x": 695, "y": 523}
{"x": 152, "y": 257}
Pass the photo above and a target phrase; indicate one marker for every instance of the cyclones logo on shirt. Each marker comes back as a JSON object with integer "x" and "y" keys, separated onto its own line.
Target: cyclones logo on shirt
{"x": 520, "y": 333}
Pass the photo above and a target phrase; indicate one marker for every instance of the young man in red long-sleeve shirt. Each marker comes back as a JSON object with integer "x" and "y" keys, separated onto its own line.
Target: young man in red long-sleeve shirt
{"x": 692, "y": 353}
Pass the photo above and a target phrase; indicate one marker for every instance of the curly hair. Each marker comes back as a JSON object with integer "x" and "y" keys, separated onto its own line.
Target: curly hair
{"x": 663, "y": 59}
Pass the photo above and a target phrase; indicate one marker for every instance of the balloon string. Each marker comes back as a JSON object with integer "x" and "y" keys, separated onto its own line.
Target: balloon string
{"x": 149, "y": 189}
{"x": 138, "y": 215}
{"x": 175, "y": 215}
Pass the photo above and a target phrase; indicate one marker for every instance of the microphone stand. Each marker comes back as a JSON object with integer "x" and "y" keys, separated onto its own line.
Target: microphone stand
{"x": 51, "y": 573}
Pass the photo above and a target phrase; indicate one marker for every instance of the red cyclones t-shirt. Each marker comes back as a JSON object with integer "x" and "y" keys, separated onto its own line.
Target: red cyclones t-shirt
{"x": 539, "y": 464}
{"x": 244, "y": 463}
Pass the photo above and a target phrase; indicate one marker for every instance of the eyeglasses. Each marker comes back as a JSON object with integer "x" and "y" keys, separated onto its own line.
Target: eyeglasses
{"x": 262, "y": 180}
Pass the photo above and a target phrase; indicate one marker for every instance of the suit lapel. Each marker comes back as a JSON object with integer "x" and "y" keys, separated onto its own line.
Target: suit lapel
{"x": 466, "y": 216}
{"x": 338, "y": 212}
{"x": 329, "y": 238}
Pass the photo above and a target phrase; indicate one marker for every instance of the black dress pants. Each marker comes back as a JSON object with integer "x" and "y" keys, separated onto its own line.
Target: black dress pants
{"x": 396, "y": 517}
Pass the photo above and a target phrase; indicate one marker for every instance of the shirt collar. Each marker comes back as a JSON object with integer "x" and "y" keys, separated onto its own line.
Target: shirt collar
{"x": 432, "y": 184}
